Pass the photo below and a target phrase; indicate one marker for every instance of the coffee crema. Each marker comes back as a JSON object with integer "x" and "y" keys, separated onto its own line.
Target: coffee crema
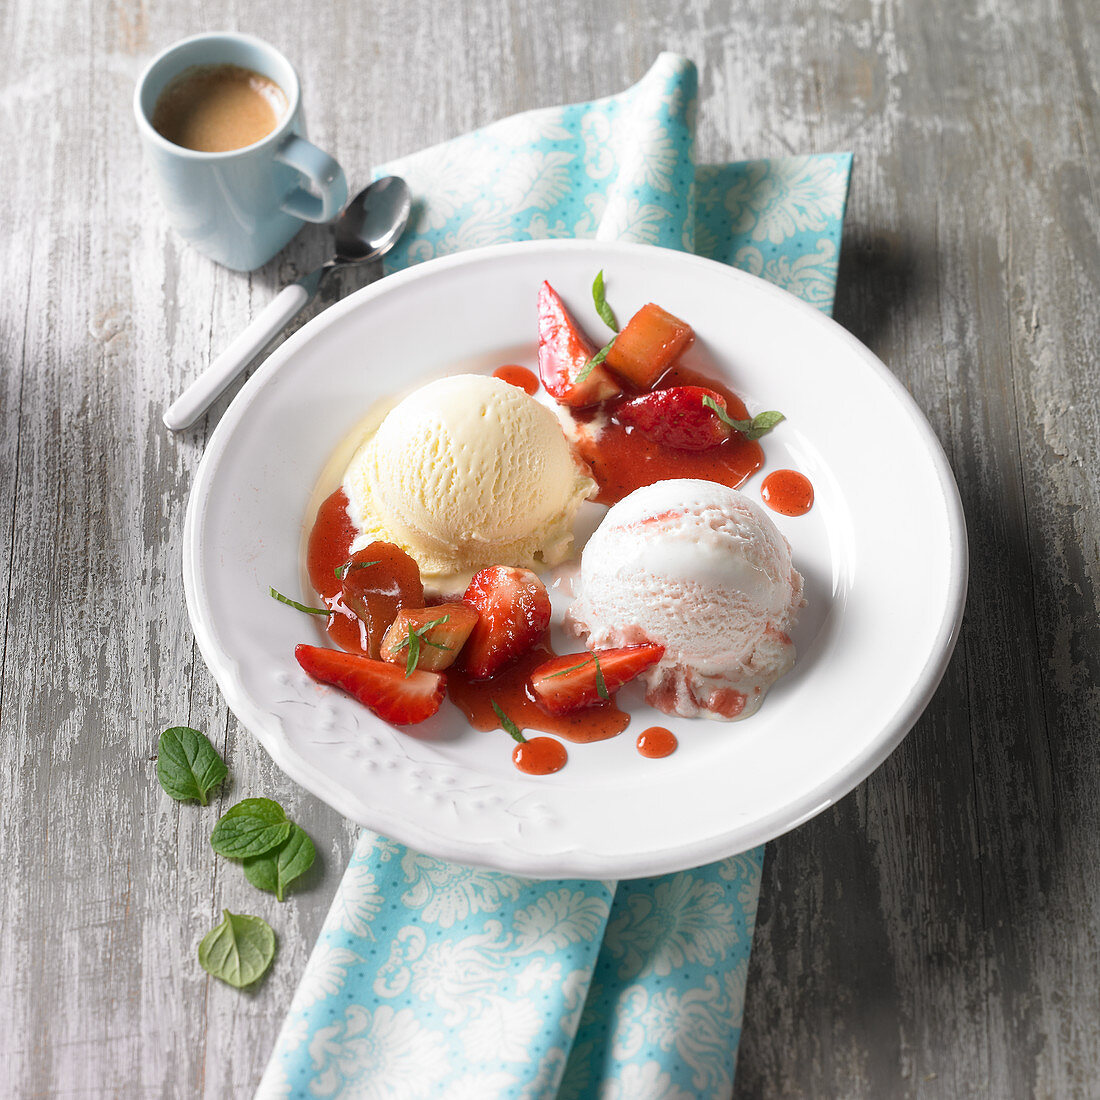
{"x": 215, "y": 108}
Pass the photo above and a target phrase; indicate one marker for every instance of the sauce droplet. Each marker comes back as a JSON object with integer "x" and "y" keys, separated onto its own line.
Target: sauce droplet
{"x": 516, "y": 375}
{"x": 787, "y": 492}
{"x": 656, "y": 742}
{"x": 540, "y": 756}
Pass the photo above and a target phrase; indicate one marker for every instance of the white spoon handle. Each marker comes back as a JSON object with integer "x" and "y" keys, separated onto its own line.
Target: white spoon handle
{"x": 202, "y": 393}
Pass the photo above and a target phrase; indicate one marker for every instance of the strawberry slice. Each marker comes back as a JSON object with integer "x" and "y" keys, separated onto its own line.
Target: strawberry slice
{"x": 649, "y": 344}
{"x": 393, "y": 696}
{"x": 429, "y": 637}
{"x": 677, "y": 417}
{"x": 586, "y": 679}
{"x": 513, "y": 612}
{"x": 564, "y": 352}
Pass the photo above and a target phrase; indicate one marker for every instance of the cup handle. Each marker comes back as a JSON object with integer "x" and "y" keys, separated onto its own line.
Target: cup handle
{"x": 321, "y": 171}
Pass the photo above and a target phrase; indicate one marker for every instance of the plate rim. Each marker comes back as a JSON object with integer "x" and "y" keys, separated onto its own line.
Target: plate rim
{"x": 576, "y": 863}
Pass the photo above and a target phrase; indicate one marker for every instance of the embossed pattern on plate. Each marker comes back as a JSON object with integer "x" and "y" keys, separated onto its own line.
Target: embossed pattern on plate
{"x": 883, "y": 552}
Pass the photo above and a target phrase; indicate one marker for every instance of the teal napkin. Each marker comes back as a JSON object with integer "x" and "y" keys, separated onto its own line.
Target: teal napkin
{"x": 431, "y": 979}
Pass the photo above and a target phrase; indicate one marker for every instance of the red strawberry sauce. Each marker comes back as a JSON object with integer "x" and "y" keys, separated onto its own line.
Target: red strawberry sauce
{"x": 656, "y": 742}
{"x": 516, "y": 375}
{"x": 787, "y": 492}
{"x": 330, "y": 544}
{"x": 329, "y": 548}
{"x": 623, "y": 460}
{"x": 540, "y": 756}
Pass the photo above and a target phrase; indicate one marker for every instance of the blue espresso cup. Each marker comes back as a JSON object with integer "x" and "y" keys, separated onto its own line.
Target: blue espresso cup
{"x": 241, "y": 206}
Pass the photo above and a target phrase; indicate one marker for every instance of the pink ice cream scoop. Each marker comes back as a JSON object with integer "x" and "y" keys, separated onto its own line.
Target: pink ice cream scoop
{"x": 698, "y": 568}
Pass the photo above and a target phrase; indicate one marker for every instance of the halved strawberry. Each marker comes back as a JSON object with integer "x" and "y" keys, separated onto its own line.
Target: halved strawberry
{"x": 378, "y": 581}
{"x": 649, "y": 344}
{"x": 585, "y": 679}
{"x": 429, "y": 636}
{"x": 677, "y": 417}
{"x": 513, "y": 611}
{"x": 393, "y": 696}
{"x": 564, "y": 351}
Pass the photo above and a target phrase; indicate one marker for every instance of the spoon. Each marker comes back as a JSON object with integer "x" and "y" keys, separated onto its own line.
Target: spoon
{"x": 371, "y": 224}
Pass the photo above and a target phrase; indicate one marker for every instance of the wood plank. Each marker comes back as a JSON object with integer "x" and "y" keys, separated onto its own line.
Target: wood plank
{"x": 934, "y": 935}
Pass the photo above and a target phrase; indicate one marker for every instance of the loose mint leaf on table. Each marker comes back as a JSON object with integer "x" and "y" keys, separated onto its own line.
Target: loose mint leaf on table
{"x": 275, "y": 870}
{"x": 250, "y": 828}
{"x": 602, "y": 308}
{"x": 188, "y": 766}
{"x": 759, "y": 425}
{"x": 239, "y": 950}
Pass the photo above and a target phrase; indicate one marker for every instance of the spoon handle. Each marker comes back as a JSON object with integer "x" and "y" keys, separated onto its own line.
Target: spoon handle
{"x": 202, "y": 393}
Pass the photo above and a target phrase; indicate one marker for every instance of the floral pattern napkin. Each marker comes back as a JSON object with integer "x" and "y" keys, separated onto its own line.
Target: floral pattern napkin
{"x": 431, "y": 979}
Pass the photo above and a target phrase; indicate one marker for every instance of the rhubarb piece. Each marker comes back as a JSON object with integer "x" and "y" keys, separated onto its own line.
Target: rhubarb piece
{"x": 428, "y": 637}
{"x": 587, "y": 679}
{"x": 378, "y": 582}
{"x": 566, "y": 357}
{"x": 393, "y": 696}
{"x": 677, "y": 417}
{"x": 651, "y": 342}
{"x": 513, "y": 612}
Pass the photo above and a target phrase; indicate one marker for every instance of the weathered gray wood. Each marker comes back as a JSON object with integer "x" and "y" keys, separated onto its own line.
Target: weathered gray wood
{"x": 935, "y": 935}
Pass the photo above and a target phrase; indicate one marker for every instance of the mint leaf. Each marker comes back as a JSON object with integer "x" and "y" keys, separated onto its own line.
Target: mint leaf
{"x": 239, "y": 950}
{"x": 188, "y": 766}
{"x": 299, "y": 606}
{"x": 250, "y": 828}
{"x": 601, "y": 686}
{"x": 566, "y": 671}
{"x": 759, "y": 425}
{"x": 341, "y": 571}
{"x": 595, "y": 361}
{"x": 763, "y": 423}
{"x": 602, "y": 308}
{"x": 510, "y": 727}
{"x": 275, "y": 870}
{"x": 413, "y": 640}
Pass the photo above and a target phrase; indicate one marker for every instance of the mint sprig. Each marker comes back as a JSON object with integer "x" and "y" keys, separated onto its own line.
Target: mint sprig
{"x": 239, "y": 950}
{"x": 602, "y": 308}
{"x": 275, "y": 870}
{"x": 601, "y": 687}
{"x": 566, "y": 671}
{"x": 759, "y": 425}
{"x": 250, "y": 828}
{"x": 416, "y": 637}
{"x": 596, "y": 360}
{"x": 509, "y": 726}
{"x": 188, "y": 766}
{"x": 299, "y": 606}
{"x": 341, "y": 571}
{"x": 601, "y": 684}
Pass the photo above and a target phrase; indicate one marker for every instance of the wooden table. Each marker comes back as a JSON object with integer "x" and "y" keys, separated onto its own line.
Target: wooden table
{"x": 934, "y": 935}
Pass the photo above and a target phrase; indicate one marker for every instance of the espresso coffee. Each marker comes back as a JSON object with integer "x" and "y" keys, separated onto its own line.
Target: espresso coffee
{"x": 214, "y": 108}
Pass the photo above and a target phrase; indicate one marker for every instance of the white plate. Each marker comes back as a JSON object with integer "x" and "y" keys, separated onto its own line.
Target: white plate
{"x": 883, "y": 552}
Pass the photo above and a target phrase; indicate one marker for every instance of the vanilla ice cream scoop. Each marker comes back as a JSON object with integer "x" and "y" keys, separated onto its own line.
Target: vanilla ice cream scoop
{"x": 698, "y": 568}
{"x": 464, "y": 473}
